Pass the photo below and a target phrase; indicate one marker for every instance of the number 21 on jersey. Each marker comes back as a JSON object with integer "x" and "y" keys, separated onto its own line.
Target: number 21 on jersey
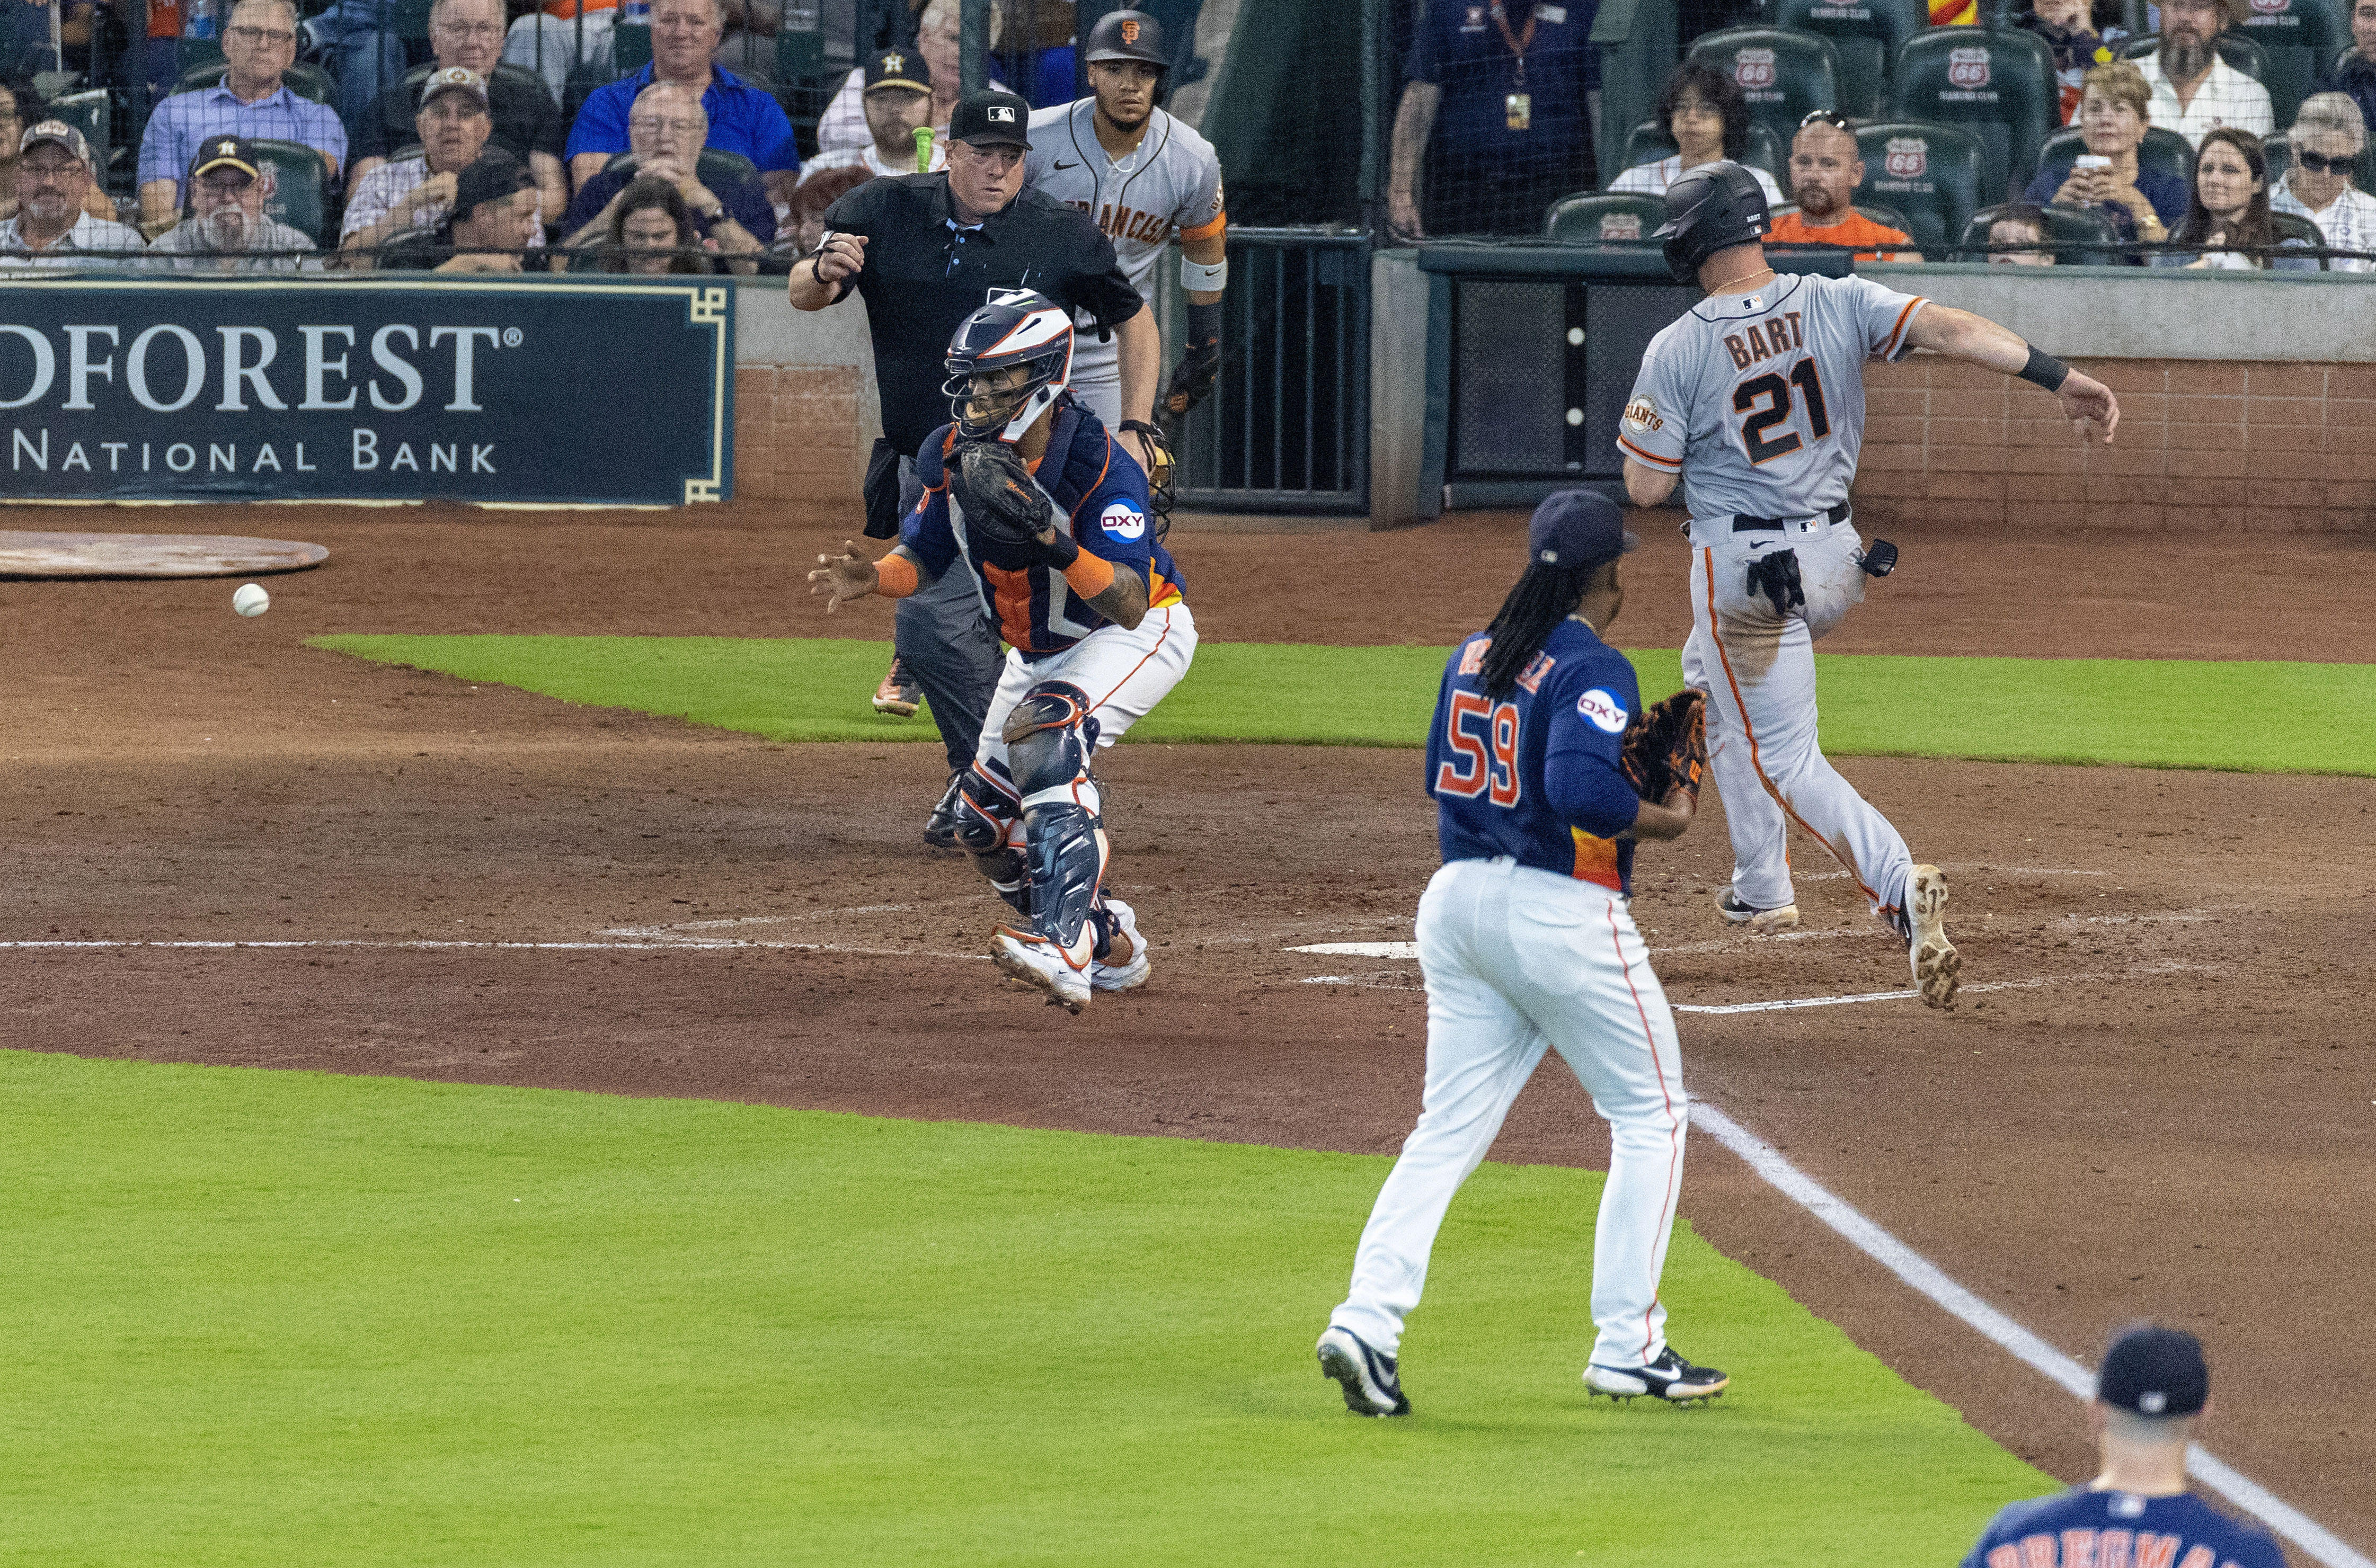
{"x": 1484, "y": 740}
{"x": 1766, "y": 401}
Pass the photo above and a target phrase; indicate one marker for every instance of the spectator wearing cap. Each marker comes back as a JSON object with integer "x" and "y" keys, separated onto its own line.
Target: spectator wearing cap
{"x": 1702, "y": 112}
{"x": 925, "y": 250}
{"x": 20, "y": 106}
{"x": 50, "y": 228}
{"x": 417, "y": 193}
{"x": 2193, "y": 89}
{"x": 1825, "y": 173}
{"x": 741, "y": 117}
{"x": 2328, "y": 136}
{"x": 898, "y": 104}
{"x": 2152, "y": 1393}
{"x": 1499, "y": 106}
{"x": 2354, "y": 73}
{"x": 2141, "y": 203}
{"x": 526, "y": 123}
{"x": 493, "y": 223}
{"x": 252, "y": 101}
{"x": 227, "y": 229}
{"x": 665, "y": 132}
{"x": 845, "y": 127}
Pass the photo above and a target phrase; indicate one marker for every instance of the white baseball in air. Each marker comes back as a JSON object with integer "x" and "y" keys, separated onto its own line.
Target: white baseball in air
{"x": 251, "y": 600}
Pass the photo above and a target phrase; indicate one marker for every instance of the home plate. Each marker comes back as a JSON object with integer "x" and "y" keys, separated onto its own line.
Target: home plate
{"x": 1362, "y": 949}
{"x": 151, "y": 555}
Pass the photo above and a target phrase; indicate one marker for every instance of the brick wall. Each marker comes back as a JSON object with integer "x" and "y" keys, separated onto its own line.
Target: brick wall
{"x": 796, "y": 434}
{"x": 2203, "y": 443}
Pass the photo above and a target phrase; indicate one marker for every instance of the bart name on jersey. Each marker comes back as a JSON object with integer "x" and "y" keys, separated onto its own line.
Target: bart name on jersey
{"x": 1780, "y": 334}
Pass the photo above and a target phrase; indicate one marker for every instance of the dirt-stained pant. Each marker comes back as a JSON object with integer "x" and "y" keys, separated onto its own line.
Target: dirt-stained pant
{"x": 1758, "y": 666}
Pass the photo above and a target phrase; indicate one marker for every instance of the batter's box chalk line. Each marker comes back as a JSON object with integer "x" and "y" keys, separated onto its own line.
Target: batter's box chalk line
{"x": 2313, "y": 1539}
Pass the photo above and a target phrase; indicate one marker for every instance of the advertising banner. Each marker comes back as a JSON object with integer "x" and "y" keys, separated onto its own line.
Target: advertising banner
{"x": 281, "y": 389}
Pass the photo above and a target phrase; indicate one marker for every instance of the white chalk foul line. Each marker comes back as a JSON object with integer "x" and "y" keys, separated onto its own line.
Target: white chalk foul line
{"x": 2313, "y": 1538}
{"x": 435, "y": 945}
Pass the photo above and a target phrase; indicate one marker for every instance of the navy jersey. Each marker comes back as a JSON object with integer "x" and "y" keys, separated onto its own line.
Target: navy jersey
{"x": 1535, "y": 776}
{"x": 1089, "y": 478}
{"x": 2108, "y": 1528}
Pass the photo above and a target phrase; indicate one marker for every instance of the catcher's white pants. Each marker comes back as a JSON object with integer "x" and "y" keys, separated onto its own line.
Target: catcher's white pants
{"x": 1758, "y": 668}
{"x": 1517, "y": 959}
{"x": 1124, "y": 673}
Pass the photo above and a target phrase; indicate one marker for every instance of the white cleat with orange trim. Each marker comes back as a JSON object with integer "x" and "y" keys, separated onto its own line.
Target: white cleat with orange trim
{"x": 1041, "y": 964}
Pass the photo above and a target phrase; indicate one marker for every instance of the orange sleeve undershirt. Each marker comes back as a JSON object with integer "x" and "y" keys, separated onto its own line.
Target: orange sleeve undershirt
{"x": 894, "y": 577}
{"x": 1089, "y": 574}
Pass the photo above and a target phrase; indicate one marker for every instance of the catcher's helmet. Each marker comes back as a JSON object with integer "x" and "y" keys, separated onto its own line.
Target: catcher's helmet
{"x": 1017, "y": 327}
{"x": 1715, "y": 206}
{"x": 1128, "y": 35}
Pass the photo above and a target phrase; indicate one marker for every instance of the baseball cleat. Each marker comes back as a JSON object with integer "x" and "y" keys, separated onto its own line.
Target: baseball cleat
{"x": 1936, "y": 963}
{"x": 940, "y": 827}
{"x": 1124, "y": 977}
{"x": 1670, "y": 1377}
{"x": 1041, "y": 964}
{"x": 1761, "y": 922}
{"x": 1371, "y": 1387}
{"x": 899, "y": 695}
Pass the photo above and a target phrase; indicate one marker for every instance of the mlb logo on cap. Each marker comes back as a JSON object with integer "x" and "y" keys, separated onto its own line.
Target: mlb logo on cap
{"x": 999, "y": 114}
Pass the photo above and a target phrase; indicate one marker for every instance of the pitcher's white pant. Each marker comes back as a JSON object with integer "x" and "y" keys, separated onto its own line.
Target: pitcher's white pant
{"x": 1758, "y": 669}
{"x": 1517, "y": 959}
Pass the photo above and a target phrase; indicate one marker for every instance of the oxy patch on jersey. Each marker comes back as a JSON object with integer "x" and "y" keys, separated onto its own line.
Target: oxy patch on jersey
{"x": 1607, "y": 715}
{"x": 1121, "y": 520}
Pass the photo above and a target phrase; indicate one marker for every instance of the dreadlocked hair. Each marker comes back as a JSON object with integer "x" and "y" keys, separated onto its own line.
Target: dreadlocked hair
{"x": 1541, "y": 599}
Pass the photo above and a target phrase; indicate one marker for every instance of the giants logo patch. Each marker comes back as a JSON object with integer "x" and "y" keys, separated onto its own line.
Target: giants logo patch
{"x": 1641, "y": 414}
{"x": 1121, "y": 520}
{"x": 1753, "y": 68}
{"x": 1621, "y": 226}
{"x": 1968, "y": 67}
{"x": 1607, "y": 715}
{"x": 1906, "y": 157}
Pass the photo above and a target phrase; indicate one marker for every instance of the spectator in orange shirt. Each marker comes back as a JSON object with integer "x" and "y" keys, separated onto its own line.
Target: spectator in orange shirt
{"x": 1824, "y": 174}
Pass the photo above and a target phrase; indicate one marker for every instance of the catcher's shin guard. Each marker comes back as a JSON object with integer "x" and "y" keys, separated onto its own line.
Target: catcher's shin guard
{"x": 1068, "y": 861}
{"x": 1010, "y": 878}
{"x": 1050, "y": 739}
{"x": 986, "y": 807}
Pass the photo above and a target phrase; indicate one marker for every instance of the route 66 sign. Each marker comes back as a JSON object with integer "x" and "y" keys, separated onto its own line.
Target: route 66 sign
{"x": 1753, "y": 68}
{"x": 1968, "y": 67}
{"x": 1906, "y": 157}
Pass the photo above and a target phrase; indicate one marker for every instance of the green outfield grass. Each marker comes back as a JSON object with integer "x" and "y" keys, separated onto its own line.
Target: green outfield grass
{"x": 273, "y": 1318}
{"x": 2154, "y": 713}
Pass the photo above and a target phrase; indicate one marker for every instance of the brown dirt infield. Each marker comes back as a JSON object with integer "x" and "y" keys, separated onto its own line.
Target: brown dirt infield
{"x": 2167, "y": 1109}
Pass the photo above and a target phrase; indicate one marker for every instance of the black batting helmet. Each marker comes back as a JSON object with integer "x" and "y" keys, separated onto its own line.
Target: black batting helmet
{"x": 1128, "y": 35}
{"x": 1018, "y": 326}
{"x": 1715, "y": 206}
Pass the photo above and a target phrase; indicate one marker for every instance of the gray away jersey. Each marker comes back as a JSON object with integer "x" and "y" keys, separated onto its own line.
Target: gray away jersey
{"x": 1170, "y": 184}
{"x": 1757, "y": 399}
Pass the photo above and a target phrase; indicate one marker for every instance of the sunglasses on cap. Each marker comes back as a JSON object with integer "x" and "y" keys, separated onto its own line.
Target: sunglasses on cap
{"x": 2319, "y": 163}
{"x": 1830, "y": 117}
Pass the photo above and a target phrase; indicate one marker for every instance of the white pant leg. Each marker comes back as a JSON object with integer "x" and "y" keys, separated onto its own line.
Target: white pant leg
{"x": 1101, "y": 392}
{"x": 1761, "y": 670}
{"x": 1480, "y": 1052}
{"x": 1752, "y": 818}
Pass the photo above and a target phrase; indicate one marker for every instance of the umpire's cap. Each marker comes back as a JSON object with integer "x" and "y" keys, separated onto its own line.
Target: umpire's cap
{"x": 1578, "y": 527}
{"x": 1715, "y": 206}
{"x": 2154, "y": 1371}
{"x": 1128, "y": 35}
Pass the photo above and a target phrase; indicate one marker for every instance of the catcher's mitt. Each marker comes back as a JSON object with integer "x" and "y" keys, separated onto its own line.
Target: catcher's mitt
{"x": 1666, "y": 746}
{"x": 1000, "y": 499}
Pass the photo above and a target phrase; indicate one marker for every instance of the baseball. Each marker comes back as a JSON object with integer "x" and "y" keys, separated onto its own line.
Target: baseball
{"x": 251, "y": 600}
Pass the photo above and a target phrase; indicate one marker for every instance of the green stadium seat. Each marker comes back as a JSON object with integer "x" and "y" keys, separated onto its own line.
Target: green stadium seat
{"x": 408, "y": 19}
{"x": 305, "y": 81}
{"x": 2078, "y": 237}
{"x": 1867, "y": 35}
{"x": 1595, "y": 219}
{"x": 1931, "y": 173}
{"x": 2294, "y": 226}
{"x": 2162, "y": 151}
{"x": 1999, "y": 86}
{"x": 1648, "y": 143}
{"x": 798, "y": 53}
{"x": 2239, "y": 51}
{"x": 631, "y": 47}
{"x": 1783, "y": 75}
{"x": 2280, "y": 151}
{"x": 189, "y": 54}
{"x": 90, "y": 113}
{"x": 715, "y": 168}
{"x": 2298, "y": 36}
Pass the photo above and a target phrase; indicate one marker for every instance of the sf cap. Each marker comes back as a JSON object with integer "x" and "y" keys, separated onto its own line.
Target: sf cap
{"x": 1578, "y": 527}
{"x": 2154, "y": 1371}
{"x": 901, "y": 68}
{"x": 990, "y": 118}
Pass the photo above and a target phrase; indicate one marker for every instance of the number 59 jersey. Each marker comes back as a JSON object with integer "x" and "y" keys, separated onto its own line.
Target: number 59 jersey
{"x": 1534, "y": 774}
{"x": 1757, "y": 399}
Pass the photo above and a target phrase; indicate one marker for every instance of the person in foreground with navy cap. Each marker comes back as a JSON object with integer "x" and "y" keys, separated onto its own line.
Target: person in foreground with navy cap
{"x": 2154, "y": 1391}
{"x": 228, "y": 230}
{"x": 1543, "y": 778}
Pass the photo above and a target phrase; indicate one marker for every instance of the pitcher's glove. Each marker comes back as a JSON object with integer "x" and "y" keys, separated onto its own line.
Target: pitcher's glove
{"x": 1001, "y": 501}
{"x": 1665, "y": 747}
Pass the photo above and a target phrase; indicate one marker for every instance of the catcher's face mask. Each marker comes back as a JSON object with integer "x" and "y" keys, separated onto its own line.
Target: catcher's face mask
{"x": 1007, "y": 365}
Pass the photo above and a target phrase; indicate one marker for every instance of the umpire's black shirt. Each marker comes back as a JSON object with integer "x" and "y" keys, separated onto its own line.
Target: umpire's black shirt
{"x": 923, "y": 277}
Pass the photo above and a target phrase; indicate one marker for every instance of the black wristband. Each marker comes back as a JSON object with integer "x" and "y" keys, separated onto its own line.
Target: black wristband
{"x": 1204, "y": 322}
{"x": 1062, "y": 550}
{"x": 2045, "y": 370}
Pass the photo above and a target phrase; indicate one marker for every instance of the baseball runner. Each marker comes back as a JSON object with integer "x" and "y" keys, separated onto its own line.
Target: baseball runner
{"x": 1028, "y": 491}
{"x": 1754, "y": 400}
{"x": 1145, "y": 177}
{"x": 1543, "y": 776}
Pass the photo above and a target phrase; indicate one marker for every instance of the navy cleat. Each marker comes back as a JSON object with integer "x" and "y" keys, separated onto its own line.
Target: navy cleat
{"x": 1670, "y": 1377}
{"x": 1371, "y": 1386}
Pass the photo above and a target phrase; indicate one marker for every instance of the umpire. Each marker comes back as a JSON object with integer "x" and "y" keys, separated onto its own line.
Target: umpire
{"x": 927, "y": 251}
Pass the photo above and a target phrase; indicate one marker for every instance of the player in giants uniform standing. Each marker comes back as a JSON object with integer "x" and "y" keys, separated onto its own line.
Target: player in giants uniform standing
{"x": 1754, "y": 400}
{"x": 1145, "y": 177}
{"x": 1027, "y": 491}
{"x": 1526, "y": 944}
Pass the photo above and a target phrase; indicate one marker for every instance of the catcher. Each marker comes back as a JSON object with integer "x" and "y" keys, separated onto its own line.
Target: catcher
{"x": 1030, "y": 492}
{"x": 1543, "y": 780}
